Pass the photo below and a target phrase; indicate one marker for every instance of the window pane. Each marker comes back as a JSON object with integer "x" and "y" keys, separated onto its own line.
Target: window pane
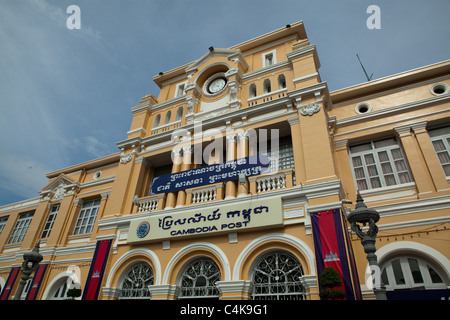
{"x": 362, "y": 185}
{"x": 359, "y": 172}
{"x": 390, "y": 180}
{"x": 439, "y": 145}
{"x": 434, "y": 276}
{"x": 383, "y": 156}
{"x": 443, "y": 157}
{"x": 362, "y": 147}
{"x": 375, "y": 182}
{"x": 400, "y": 165}
{"x": 398, "y": 273}
{"x": 385, "y": 143}
{"x": 357, "y": 161}
{"x": 369, "y": 159}
{"x": 384, "y": 277}
{"x": 372, "y": 171}
{"x": 386, "y": 167}
{"x": 415, "y": 270}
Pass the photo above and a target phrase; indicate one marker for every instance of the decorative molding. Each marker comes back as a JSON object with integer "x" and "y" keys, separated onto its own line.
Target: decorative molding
{"x": 309, "y": 109}
{"x": 124, "y": 158}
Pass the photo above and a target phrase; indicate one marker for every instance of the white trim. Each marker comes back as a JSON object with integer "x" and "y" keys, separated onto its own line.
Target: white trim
{"x": 146, "y": 252}
{"x": 296, "y": 242}
{"x": 199, "y": 245}
{"x": 440, "y": 84}
{"x": 268, "y": 53}
{"x": 307, "y": 77}
{"x": 428, "y": 252}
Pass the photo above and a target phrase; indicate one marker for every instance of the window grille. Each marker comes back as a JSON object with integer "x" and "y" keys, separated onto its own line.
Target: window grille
{"x": 199, "y": 279}
{"x": 277, "y": 276}
{"x": 136, "y": 282}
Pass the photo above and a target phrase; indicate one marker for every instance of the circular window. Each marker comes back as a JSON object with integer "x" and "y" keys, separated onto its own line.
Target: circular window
{"x": 97, "y": 175}
{"x": 439, "y": 88}
{"x": 363, "y": 107}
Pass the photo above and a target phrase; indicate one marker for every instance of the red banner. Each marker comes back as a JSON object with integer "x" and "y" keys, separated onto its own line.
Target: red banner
{"x": 9, "y": 283}
{"x": 36, "y": 283}
{"x": 330, "y": 249}
{"x": 95, "y": 276}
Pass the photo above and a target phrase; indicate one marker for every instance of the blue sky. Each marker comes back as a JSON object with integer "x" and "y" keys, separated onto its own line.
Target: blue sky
{"x": 65, "y": 95}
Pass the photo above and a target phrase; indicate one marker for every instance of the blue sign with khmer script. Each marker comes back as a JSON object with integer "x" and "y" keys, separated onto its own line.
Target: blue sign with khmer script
{"x": 230, "y": 170}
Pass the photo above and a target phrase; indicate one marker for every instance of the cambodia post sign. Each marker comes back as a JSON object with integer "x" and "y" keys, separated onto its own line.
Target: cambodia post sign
{"x": 237, "y": 217}
{"x": 230, "y": 170}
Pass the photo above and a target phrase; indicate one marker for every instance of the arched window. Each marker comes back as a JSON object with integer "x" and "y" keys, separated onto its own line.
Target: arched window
{"x": 252, "y": 91}
{"x": 136, "y": 280}
{"x": 276, "y": 276}
{"x": 281, "y": 81}
{"x": 179, "y": 114}
{"x": 167, "y": 118}
{"x": 267, "y": 86}
{"x": 410, "y": 272}
{"x": 199, "y": 279}
{"x": 157, "y": 120}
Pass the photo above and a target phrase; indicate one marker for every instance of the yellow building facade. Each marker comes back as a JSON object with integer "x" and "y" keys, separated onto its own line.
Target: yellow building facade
{"x": 181, "y": 211}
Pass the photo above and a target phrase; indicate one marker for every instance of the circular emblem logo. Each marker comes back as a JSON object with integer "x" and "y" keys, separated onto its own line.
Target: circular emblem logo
{"x": 143, "y": 229}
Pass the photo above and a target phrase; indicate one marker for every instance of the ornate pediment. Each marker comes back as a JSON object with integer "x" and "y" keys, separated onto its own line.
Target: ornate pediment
{"x": 58, "y": 188}
{"x": 234, "y": 55}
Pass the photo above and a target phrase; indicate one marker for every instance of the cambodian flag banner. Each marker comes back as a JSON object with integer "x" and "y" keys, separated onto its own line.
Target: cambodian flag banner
{"x": 9, "y": 283}
{"x": 36, "y": 283}
{"x": 330, "y": 248}
{"x": 95, "y": 276}
{"x": 220, "y": 172}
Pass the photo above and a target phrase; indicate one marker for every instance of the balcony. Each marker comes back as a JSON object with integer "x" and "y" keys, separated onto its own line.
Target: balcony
{"x": 272, "y": 181}
{"x": 205, "y": 193}
{"x": 258, "y": 184}
{"x": 150, "y": 203}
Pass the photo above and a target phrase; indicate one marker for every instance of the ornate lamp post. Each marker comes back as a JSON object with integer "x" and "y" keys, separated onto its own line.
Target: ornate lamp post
{"x": 30, "y": 263}
{"x": 363, "y": 215}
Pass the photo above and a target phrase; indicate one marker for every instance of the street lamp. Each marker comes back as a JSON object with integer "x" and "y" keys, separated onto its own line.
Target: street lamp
{"x": 363, "y": 215}
{"x": 30, "y": 263}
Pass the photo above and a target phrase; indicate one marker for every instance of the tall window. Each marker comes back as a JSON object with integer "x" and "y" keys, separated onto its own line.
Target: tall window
{"x": 267, "y": 86}
{"x": 280, "y": 159}
{"x": 50, "y": 220}
{"x": 167, "y": 118}
{"x": 179, "y": 114}
{"x": 3, "y": 223}
{"x": 137, "y": 278}
{"x": 281, "y": 81}
{"x": 441, "y": 143}
{"x": 199, "y": 279}
{"x": 252, "y": 90}
{"x": 21, "y": 227}
{"x": 379, "y": 164}
{"x": 157, "y": 120}
{"x": 87, "y": 216}
{"x": 276, "y": 276}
